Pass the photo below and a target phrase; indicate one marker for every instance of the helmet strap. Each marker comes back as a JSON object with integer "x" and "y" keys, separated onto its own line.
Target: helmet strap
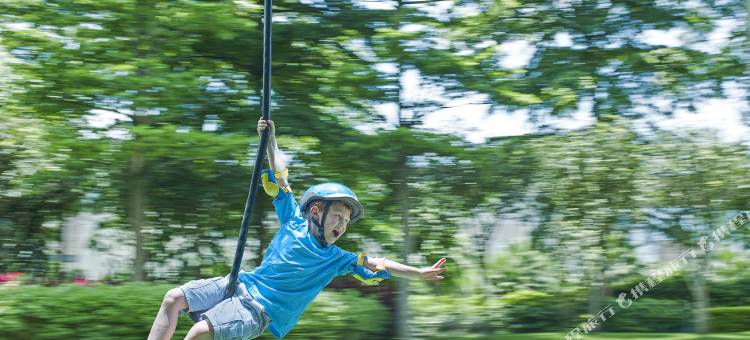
{"x": 321, "y": 231}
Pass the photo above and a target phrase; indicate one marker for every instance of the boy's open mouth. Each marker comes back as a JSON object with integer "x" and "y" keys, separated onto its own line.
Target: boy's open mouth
{"x": 335, "y": 233}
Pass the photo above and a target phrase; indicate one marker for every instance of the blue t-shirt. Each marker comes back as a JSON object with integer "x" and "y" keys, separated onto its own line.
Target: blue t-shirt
{"x": 295, "y": 268}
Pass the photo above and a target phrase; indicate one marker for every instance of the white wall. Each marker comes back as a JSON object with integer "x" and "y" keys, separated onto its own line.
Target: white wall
{"x": 113, "y": 252}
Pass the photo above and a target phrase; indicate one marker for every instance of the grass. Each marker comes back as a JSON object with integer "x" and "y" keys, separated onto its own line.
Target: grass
{"x": 629, "y": 336}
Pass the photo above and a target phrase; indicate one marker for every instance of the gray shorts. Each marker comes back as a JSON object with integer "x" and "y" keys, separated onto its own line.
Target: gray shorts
{"x": 240, "y": 317}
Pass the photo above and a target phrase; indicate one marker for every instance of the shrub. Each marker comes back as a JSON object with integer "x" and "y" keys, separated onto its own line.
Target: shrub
{"x": 76, "y": 312}
{"x": 452, "y": 316}
{"x": 672, "y": 288}
{"x": 341, "y": 314}
{"x": 722, "y": 293}
{"x": 533, "y": 311}
{"x": 127, "y": 312}
{"x": 731, "y": 293}
{"x": 650, "y": 315}
{"x": 729, "y": 319}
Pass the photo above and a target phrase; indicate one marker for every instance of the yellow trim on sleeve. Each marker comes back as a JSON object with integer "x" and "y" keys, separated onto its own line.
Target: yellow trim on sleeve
{"x": 370, "y": 282}
{"x": 272, "y": 189}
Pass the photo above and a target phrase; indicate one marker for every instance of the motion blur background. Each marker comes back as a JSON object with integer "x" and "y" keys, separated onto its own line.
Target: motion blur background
{"x": 556, "y": 152}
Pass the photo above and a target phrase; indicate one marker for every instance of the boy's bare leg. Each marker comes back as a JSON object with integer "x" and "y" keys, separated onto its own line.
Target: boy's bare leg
{"x": 166, "y": 319}
{"x": 200, "y": 331}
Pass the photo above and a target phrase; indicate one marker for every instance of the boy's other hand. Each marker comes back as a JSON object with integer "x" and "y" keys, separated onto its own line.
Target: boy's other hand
{"x": 262, "y": 124}
{"x": 433, "y": 273}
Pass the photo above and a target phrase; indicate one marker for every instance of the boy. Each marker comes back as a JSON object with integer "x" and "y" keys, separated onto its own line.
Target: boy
{"x": 300, "y": 261}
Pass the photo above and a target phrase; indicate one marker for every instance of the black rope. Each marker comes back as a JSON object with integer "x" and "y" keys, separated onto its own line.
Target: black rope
{"x": 240, "y": 250}
{"x": 267, "y": 13}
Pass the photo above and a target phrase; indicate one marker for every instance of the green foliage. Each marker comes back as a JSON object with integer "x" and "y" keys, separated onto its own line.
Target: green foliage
{"x": 584, "y": 187}
{"x": 182, "y": 80}
{"x": 729, "y": 319}
{"x": 673, "y": 288}
{"x": 600, "y": 60}
{"x": 627, "y": 336}
{"x": 692, "y": 179}
{"x": 731, "y": 292}
{"x": 522, "y": 268}
{"x": 454, "y": 316}
{"x": 37, "y": 189}
{"x": 650, "y": 315}
{"x": 333, "y": 314}
{"x": 532, "y": 311}
{"x": 128, "y": 311}
{"x": 70, "y": 311}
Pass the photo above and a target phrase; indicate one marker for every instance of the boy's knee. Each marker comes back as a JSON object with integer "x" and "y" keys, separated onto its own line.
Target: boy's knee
{"x": 200, "y": 331}
{"x": 175, "y": 297}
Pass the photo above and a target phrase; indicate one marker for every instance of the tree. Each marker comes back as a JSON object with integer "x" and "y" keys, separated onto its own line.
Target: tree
{"x": 689, "y": 186}
{"x": 36, "y": 190}
{"x": 585, "y": 189}
{"x": 589, "y": 53}
{"x": 173, "y": 83}
{"x": 116, "y": 74}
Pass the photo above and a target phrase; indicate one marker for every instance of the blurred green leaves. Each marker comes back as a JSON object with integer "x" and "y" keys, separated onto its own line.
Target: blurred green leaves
{"x": 147, "y": 110}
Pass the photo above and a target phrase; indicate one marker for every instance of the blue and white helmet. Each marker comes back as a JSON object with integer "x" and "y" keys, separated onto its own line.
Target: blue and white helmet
{"x": 331, "y": 191}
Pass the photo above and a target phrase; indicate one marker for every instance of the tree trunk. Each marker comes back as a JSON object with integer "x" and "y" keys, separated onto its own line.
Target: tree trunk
{"x": 135, "y": 211}
{"x": 402, "y": 308}
{"x": 595, "y": 292}
{"x": 136, "y": 179}
{"x": 599, "y": 288}
{"x": 699, "y": 290}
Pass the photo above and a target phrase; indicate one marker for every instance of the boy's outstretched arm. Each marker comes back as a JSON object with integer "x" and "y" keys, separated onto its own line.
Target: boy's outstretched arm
{"x": 275, "y": 156}
{"x": 404, "y": 271}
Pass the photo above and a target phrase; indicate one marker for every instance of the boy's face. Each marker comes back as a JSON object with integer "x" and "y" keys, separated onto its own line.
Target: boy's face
{"x": 336, "y": 221}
